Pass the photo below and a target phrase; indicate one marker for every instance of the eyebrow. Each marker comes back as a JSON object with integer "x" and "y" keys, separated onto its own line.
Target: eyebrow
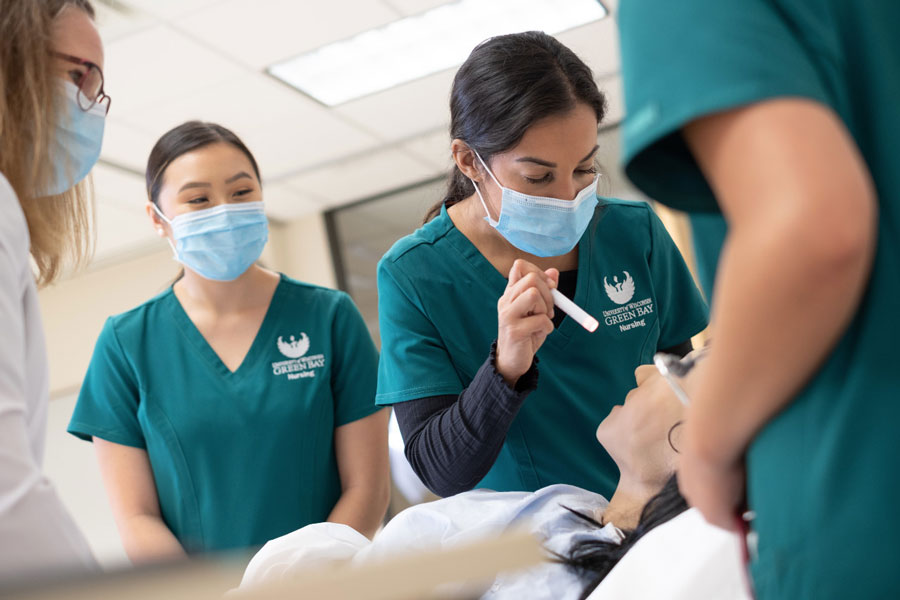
{"x": 242, "y": 174}
{"x": 193, "y": 184}
{"x": 203, "y": 184}
{"x": 552, "y": 165}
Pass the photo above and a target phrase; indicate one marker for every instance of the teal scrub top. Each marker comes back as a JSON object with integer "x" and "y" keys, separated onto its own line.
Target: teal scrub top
{"x": 240, "y": 457}
{"x": 822, "y": 475}
{"x": 438, "y": 318}
{"x": 707, "y": 236}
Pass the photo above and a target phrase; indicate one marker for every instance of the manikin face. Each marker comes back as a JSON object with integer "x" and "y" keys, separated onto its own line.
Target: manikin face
{"x": 636, "y": 434}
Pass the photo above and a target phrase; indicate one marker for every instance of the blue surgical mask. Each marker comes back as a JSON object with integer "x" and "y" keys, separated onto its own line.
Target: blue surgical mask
{"x": 219, "y": 243}
{"x": 539, "y": 225}
{"x": 77, "y": 141}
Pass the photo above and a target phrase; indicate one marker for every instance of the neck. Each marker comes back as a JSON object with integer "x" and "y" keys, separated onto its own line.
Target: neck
{"x": 629, "y": 499}
{"x": 252, "y": 287}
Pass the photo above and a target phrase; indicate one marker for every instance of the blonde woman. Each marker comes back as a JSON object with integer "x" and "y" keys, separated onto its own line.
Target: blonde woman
{"x": 52, "y": 110}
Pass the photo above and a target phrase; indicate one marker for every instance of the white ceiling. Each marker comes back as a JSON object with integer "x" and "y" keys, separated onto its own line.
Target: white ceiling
{"x": 168, "y": 61}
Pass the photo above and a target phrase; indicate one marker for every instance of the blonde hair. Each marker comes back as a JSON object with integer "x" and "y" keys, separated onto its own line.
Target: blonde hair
{"x": 30, "y": 105}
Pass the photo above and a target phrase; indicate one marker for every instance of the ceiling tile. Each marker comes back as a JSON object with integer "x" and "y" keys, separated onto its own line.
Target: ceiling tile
{"x": 126, "y": 145}
{"x": 596, "y": 43}
{"x": 168, "y": 9}
{"x": 284, "y": 203}
{"x": 297, "y": 145}
{"x": 404, "y": 111}
{"x": 159, "y": 64}
{"x": 116, "y": 23}
{"x": 432, "y": 148}
{"x": 414, "y": 7}
{"x": 285, "y": 130}
{"x": 260, "y": 32}
{"x": 114, "y": 185}
{"x": 382, "y": 171}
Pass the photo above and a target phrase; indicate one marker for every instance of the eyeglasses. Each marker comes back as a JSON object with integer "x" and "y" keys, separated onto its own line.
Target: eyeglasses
{"x": 90, "y": 85}
{"x": 674, "y": 368}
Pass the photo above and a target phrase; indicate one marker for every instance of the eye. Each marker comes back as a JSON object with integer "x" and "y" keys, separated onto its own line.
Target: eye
{"x": 199, "y": 200}
{"x": 76, "y": 76}
{"x": 590, "y": 171}
{"x": 242, "y": 192}
{"x": 545, "y": 179}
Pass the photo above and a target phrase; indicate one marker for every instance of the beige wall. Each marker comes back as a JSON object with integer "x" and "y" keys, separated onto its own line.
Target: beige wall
{"x": 75, "y": 309}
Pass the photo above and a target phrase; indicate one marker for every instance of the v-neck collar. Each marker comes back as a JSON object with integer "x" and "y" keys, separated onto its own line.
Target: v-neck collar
{"x": 263, "y": 336}
{"x": 561, "y": 335}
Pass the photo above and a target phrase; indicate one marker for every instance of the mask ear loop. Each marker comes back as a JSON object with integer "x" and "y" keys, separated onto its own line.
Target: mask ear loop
{"x": 490, "y": 219}
{"x": 167, "y": 220}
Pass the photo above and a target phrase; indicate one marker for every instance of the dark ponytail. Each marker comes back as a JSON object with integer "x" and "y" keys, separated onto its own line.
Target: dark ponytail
{"x": 592, "y": 560}
{"x": 507, "y": 84}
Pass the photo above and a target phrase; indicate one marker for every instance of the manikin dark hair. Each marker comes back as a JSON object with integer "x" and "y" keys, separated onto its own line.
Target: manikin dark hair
{"x": 592, "y": 560}
{"x": 509, "y": 83}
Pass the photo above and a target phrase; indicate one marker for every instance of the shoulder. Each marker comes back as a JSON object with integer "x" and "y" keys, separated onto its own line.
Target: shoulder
{"x": 311, "y": 294}
{"x": 425, "y": 240}
{"x": 134, "y": 322}
{"x": 13, "y": 227}
{"x": 631, "y": 217}
{"x": 626, "y": 208}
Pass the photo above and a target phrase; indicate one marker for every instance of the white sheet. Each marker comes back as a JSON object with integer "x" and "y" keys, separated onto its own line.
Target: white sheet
{"x": 683, "y": 559}
{"x": 445, "y": 523}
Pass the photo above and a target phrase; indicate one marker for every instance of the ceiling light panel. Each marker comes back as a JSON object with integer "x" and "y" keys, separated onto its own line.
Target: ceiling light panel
{"x": 423, "y": 44}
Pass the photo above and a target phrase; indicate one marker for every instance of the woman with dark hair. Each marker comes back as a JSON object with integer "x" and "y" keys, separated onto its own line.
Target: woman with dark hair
{"x": 237, "y": 405}
{"x": 52, "y": 115}
{"x": 465, "y": 302}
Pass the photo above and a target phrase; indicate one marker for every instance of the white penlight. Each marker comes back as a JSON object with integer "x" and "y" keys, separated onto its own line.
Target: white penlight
{"x": 417, "y": 46}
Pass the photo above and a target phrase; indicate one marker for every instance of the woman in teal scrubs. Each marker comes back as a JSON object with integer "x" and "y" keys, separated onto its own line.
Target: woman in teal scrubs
{"x": 237, "y": 405}
{"x": 465, "y": 302}
{"x": 783, "y": 114}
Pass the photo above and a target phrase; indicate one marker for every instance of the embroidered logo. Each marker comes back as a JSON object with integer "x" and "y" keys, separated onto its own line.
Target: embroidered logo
{"x": 298, "y": 365}
{"x": 621, "y": 291}
{"x": 630, "y": 314}
{"x": 294, "y": 348}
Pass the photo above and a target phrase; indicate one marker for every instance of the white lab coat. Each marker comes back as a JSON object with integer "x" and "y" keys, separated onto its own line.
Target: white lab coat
{"x": 37, "y": 534}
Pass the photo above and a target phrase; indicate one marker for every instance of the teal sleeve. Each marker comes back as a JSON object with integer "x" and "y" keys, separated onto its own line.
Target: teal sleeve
{"x": 708, "y": 232}
{"x": 414, "y": 360}
{"x": 356, "y": 365}
{"x": 682, "y": 311}
{"x": 108, "y": 401}
{"x": 676, "y": 71}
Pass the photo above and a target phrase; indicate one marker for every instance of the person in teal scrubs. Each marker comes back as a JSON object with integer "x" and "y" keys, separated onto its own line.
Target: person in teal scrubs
{"x": 237, "y": 405}
{"x": 465, "y": 304}
{"x": 783, "y": 114}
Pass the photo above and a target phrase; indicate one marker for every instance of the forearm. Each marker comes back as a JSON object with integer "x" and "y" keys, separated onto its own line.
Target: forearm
{"x": 452, "y": 443}
{"x": 147, "y": 538}
{"x": 362, "y": 507}
{"x": 787, "y": 290}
